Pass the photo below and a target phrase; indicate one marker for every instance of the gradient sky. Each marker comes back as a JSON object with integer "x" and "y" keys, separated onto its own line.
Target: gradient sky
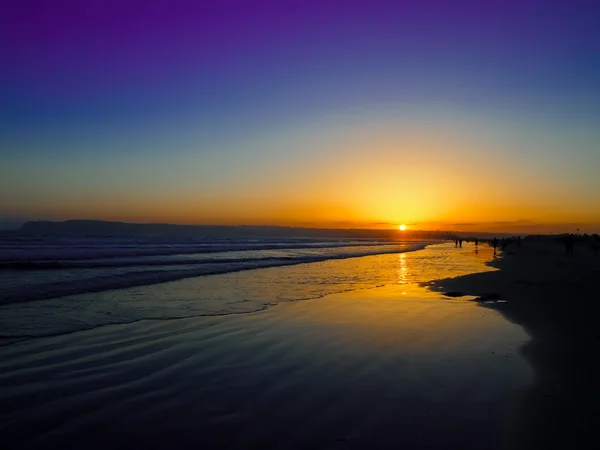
{"x": 440, "y": 114}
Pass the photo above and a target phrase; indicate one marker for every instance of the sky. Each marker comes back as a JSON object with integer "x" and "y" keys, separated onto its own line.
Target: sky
{"x": 456, "y": 115}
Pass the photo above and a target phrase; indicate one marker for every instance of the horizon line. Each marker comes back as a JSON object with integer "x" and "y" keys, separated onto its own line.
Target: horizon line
{"x": 393, "y": 227}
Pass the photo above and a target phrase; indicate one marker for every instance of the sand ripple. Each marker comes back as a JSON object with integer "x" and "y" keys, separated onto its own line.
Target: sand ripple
{"x": 353, "y": 370}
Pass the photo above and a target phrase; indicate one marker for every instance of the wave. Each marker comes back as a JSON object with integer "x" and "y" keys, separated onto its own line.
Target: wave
{"x": 50, "y": 265}
{"x": 13, "y": 256}
{"x": 148, "y": 277}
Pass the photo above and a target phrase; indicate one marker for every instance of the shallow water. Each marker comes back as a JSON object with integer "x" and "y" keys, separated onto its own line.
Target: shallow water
{"x": 51, "y": 267}
{"x": 390, "y": 367}
{"x": 232, "y": 293}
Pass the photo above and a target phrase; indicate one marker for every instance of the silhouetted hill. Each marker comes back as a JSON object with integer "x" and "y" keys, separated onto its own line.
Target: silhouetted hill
{"x": 103, "y": 228}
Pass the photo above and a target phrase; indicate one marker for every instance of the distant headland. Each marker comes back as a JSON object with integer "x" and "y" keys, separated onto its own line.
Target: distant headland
{"x": 106, "y": 228}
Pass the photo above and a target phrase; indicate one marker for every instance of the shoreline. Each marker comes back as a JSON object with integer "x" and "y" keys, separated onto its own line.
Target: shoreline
{"x": 215, "y": 295}
{"x": 553, "y": 297}
{"x": 102, "y": 283}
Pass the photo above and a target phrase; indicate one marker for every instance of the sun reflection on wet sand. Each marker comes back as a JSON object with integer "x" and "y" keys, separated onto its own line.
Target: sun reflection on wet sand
{"x": 405, "y": 316}
{"x": 402, "y": 269}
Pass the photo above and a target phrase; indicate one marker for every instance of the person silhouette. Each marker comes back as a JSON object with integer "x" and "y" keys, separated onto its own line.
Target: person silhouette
{"x": 568, "y": 241}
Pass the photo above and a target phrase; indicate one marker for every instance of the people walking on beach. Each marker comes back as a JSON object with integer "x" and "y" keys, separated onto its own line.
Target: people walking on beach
{"x": 495, "y": 244}
{"x": 568, "y": 241}
{"x": 476, "y": 242}
{"x": 456, "y": 242}
{"x": 460, "y": 243}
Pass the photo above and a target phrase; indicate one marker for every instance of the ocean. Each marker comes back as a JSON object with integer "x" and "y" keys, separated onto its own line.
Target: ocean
{"x": 51, "y": 285}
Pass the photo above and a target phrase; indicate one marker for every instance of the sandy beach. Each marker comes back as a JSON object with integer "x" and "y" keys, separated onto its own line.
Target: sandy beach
{"x": 397, "y": 366}
{"x": 554, "y": 297}
{"x": 357, "y": 370}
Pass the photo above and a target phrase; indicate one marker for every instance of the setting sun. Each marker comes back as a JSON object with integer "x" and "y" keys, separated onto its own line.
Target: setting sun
{"x": 402, "y": 227}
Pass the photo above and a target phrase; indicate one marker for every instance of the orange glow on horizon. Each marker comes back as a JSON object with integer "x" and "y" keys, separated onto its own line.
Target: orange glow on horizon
{"x": 427, "y": 176}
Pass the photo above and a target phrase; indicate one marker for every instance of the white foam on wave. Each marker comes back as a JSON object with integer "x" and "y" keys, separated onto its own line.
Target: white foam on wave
{"x": 178, "y": 294}
{"x": 96, "y": 276}
{"x": 62, "y": 250}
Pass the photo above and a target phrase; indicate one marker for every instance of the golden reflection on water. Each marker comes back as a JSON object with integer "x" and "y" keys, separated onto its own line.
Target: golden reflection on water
{"x": 407, "y": 315}
{"x": 393, "y": 317}
{"x": 402, "y": 269}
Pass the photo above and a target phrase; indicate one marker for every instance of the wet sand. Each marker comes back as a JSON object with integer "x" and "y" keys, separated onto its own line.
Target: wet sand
{"x": 554, "y": 297}
{"x": 393, "y": 367}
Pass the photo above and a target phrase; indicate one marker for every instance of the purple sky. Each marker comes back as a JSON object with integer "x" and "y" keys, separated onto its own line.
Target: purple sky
{"x": 97, "y": 84}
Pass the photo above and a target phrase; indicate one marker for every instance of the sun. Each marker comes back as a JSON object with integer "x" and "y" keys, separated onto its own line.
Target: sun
{"x": 402, "y": 227}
